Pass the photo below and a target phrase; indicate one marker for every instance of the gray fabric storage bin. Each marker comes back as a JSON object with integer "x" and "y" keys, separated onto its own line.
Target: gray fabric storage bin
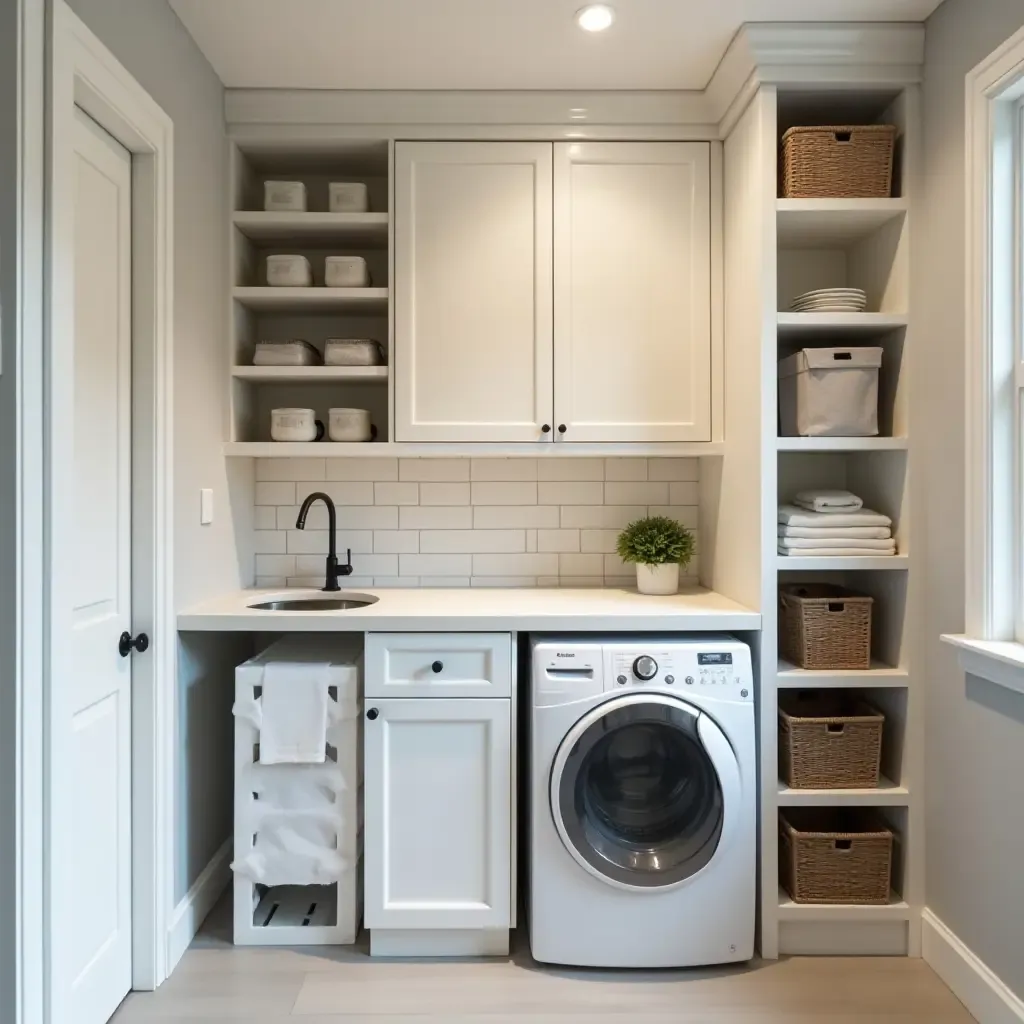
{"x": 829, "y": 392}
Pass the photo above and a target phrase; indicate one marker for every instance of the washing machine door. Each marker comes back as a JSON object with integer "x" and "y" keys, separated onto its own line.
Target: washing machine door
{"x": 639, "y": 791}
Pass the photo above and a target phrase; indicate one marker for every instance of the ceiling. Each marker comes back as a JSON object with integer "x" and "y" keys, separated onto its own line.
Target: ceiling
{"x": 490, "y": 44}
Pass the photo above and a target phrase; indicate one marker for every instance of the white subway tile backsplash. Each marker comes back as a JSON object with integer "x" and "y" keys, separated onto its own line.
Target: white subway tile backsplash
{"x": 520, "y": 492}
{"x": 559, "y": 469}
{"x": 264, "y": 517}
{"x": 472, "y": 541}
{"x": 396, "y": 494}
{"x": 625, "y": 469}
{"x": 544, "y": 522}
{"x": 515, "y": 565}
{"x": 573, "y": 492}
{"x": 502, "y": 517}
{"x": 275, "y": 494}
{"x": 445, "y": 470}
{"x": 275, "y": 565}
{"x": 503, "y": 469}
{"x": 312, "y": 542}
{"x": 291, "y": 469}
{"x": 396, "y": 542}
{"x": 673, "y": 469}
{"x": 683, "y": 494}
{"x": 636, "y": 493}
{"x": 361, "y": 469}
{"x": 558, "y": 540}
{"x": 444, "y": 494}
{"x": 580, "y": 565}
{"x": 435, "y": 565}
{"x": 271, "y": 581}
{"x": 602, "y": 541}
{"x": 612, "y": 517}
{"x": 440, "y": 517}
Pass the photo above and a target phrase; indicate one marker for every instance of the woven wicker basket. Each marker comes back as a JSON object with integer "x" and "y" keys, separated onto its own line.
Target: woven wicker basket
{"x": 838, "y": 161}
{"x": 829, "y": 741}
{"x": 822, "y": 626}
{"x": 835, "y": 855}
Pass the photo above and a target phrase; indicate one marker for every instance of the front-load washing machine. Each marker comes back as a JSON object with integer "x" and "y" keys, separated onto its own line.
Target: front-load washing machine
{"x": 642, "y": 802}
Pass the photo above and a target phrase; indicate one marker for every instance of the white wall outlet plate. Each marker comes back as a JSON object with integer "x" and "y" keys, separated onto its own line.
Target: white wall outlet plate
{"x": 205, "y": 506}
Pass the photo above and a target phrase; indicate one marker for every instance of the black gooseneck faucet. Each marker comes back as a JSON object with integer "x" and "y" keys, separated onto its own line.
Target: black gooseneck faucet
{"x": 334, "y": 570}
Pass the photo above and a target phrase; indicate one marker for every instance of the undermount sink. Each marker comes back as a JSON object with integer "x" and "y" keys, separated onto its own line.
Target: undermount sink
{"x": 340, "y": 603}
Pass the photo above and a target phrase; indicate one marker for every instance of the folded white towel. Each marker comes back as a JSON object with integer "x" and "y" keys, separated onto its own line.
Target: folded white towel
{"x": 832, "y": 552}
{"x": 849, "y": 532}
{"x": 837, "y": 542}
{"x": 828, "y": 501}
{"x": 294, "y": 848}
{"x": 293, "y": 726}
{"x": 793, "y": 516}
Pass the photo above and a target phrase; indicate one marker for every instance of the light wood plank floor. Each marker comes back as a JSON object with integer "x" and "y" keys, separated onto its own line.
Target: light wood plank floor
{"x": 217, "y": 983}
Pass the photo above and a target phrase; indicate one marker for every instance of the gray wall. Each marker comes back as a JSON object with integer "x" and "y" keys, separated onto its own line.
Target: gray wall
{"x": 975, "y": 730}
{"x": 146, "y": 36}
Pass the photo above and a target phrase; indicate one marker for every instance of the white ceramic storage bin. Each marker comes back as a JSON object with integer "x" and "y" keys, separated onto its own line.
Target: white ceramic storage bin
{"x": 348, "y": 197}
{"x": 829, "y": 392}
{"x": 328, "y": 794}
{"x": 346, "y": 272}
{"x": 284, "y": 197}
{"x": 289, "y": 271}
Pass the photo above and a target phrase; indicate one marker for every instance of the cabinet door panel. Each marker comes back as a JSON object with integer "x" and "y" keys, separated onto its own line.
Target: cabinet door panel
{"x": 633, "y": 291}
{"x": 438, "y": 807}
{"x": 473, "y": 305}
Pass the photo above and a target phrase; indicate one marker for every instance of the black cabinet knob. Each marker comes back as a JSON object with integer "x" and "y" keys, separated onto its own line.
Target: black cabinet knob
{"x": 126, "y": 644}
{"x": 372, "y": 714}
{"x": 436, "y": 667}
{"x": 561, "y": 428}
{"x": 546, "y": 429}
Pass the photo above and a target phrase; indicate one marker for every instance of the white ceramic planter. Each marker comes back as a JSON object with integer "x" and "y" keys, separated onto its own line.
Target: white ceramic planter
{"x": 657, "y": 579}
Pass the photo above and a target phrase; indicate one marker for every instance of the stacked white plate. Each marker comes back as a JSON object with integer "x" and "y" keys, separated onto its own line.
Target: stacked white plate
{"x": 831, "y": 300}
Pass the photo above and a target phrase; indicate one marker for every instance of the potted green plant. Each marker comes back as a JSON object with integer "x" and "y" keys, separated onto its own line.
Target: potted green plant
{"x": 657, "y": 546}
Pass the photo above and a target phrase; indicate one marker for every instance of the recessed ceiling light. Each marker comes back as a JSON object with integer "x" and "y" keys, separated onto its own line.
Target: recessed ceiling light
{"x": 595, "y": 17}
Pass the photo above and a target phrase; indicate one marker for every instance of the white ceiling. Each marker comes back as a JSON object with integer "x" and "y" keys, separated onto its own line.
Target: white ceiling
{"x": 490, "y": 44}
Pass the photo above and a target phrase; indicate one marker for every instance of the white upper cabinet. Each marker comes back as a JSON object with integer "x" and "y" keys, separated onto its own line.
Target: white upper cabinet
{"x": 632, "y": 291}
{"x": 473, "y": 304}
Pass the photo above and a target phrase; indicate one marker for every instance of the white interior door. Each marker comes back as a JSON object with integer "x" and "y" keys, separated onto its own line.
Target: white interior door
{"x": 632, "y": 244}
{"x": 473, "y": 301}
{"x": 90, "y": 840}
{"x": 438, "y": 813}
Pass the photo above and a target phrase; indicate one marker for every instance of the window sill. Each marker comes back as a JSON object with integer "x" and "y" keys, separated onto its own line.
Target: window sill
{"x": 999, "y": 661}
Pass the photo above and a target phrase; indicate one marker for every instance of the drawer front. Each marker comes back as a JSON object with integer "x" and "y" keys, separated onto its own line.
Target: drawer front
{"x": 438, "y": 665}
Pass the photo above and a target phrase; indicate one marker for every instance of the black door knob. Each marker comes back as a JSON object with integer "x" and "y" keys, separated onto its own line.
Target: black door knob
{"x": 436, "y": 667}
{"x": 125, "y": 645}
{"x": 372, "y": 714}
{"x": 546, "y": 429}
{"x": 561, "y": 428}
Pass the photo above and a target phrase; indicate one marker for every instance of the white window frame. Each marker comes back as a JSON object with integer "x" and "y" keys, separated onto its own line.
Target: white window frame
{"x": 993, "y": 643}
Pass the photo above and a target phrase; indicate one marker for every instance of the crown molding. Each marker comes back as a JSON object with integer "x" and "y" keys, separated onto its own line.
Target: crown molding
{"x": 840, "y": 55}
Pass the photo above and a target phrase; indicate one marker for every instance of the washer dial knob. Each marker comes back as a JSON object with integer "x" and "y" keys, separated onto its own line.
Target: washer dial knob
{"x": 645, "y": 667}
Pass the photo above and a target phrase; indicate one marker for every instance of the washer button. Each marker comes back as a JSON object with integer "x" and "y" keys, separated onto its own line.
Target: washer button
{"x": 670, "y": 680}
{"x": 689, "y": 680}
{"x": 621, "y": 680}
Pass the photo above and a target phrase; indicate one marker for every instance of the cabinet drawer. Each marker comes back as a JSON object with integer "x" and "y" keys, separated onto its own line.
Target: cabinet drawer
{"x": 438, "y": 665}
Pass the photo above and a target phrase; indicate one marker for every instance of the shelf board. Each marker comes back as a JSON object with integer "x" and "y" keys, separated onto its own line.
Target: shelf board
{"x": 828, "y": 223}
{"x": 796, "y": 325}
{"x": 392, "y": 449}
{"x": 310, "y": 374}
{"x": 895, "y": 910}
{"x": 886, "y": 794}
{"x": 805, "y": 563}
{"x": 842, "y": 444}
{"x": 365, "y": 230}
{"x": 303, "y": 300}
{"x": 789, "y": 677}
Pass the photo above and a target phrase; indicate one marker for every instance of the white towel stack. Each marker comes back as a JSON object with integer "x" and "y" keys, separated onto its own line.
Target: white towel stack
{"x": 831, "y": 523}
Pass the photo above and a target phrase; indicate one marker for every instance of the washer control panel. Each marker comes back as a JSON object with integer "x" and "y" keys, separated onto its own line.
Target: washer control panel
{"x": 725, "y": 669}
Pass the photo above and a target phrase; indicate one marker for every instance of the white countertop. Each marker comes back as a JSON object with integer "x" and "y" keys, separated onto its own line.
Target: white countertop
{"x": 478, "y": 610}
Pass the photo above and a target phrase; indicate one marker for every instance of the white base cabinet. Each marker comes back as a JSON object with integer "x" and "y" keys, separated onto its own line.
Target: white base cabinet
{"x": 438, "y": 808}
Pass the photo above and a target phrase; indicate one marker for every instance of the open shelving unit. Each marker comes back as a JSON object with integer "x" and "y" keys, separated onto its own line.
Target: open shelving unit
{"x": 314, "y": 314}
{"x": 819, "y": 243}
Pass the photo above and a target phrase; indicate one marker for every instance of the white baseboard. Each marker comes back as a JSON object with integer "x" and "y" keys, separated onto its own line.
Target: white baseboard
{"x": 973, "y": 983}
{"x": 190, "y": 913}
